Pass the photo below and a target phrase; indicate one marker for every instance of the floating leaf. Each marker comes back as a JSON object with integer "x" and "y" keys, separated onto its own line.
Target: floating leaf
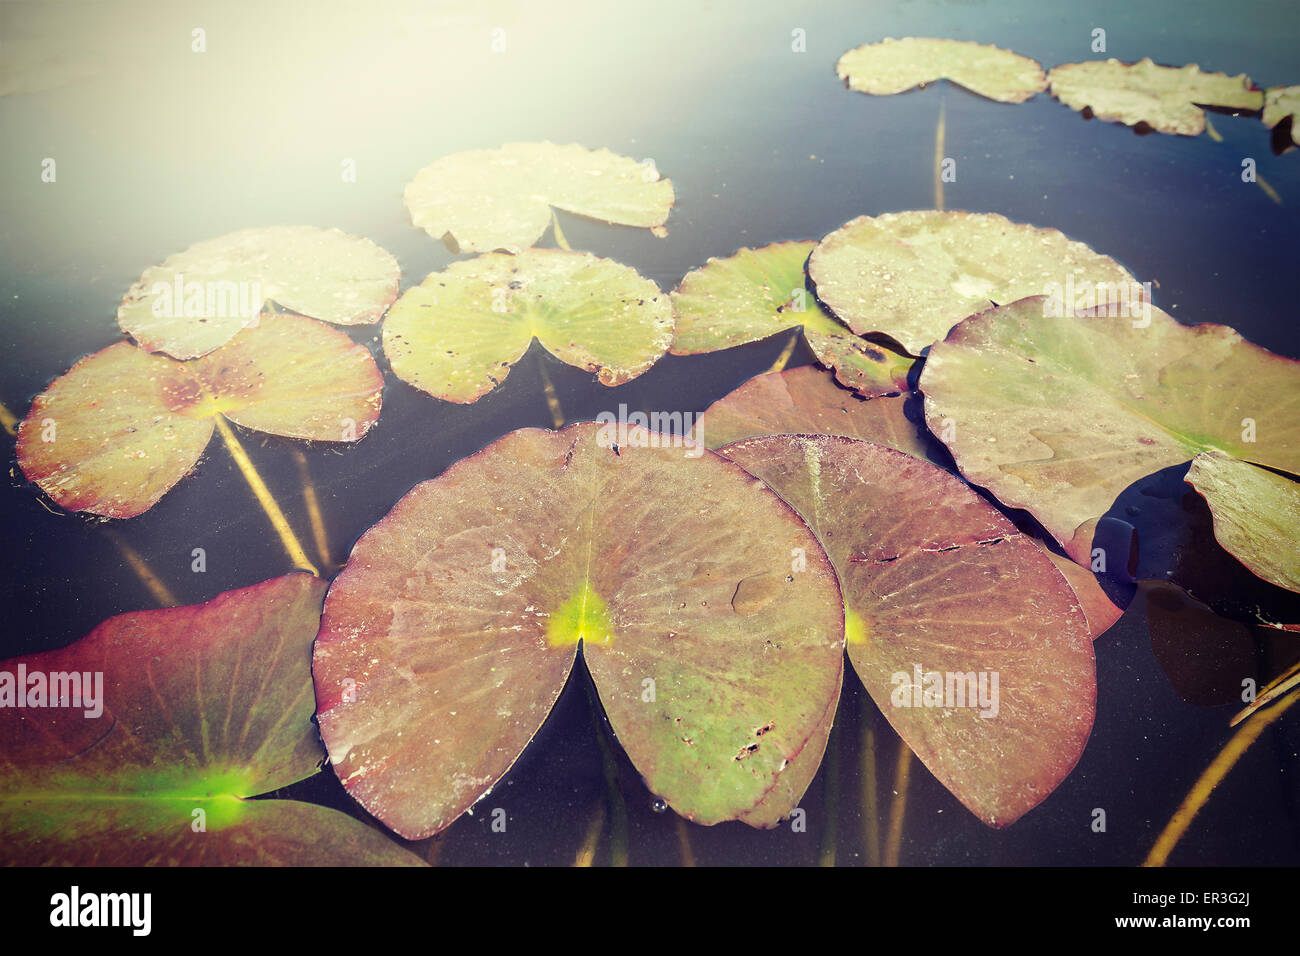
{"x": 1256, "y": 515}
{"x": 1058, "y": 415}
{"x": 1166, "y": 98}
{"x": 914, "y": 275}
{"x": 759, "y": 292}
{"x": 936, "y": 582}
{"x": 195, "y": 709}
{"x": 709, "y": 617}
{"x": 456, "y": 334}
{"x": 197, "y": 300}
{"x": 806, "y": 400}
{"x": 1097, "y": 606}
{"x": 1281, "y": 102}
{"x": 488, "y": 199}
{"x": 122, "y": 426}
{"x": 892, "y": 66}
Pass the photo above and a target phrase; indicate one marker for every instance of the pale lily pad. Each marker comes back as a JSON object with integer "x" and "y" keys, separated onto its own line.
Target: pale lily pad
{"x": 152, "y": 732}
{"x": 115, "y": 432}
{"x": 806, "y": 400}
{"x": 197, "y": 300}
{"x": 914, "y": 275}
{"x": 489, "y": 199}
{"x": 456, "y": 334}
{"x": 709, "y": 617}
{"x": 1166, "y": 98}
{"x": 1281, "y": 102}
{"x": 1058, "y": 415}
{"x": 937, "y": 582}
{"x": 892, "y": 66}
{"x": 759, "y": 292}
{"x": 1256, "y": 515}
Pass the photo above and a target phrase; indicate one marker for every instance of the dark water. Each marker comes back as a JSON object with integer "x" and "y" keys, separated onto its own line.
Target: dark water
{"x": 168, "y": 147}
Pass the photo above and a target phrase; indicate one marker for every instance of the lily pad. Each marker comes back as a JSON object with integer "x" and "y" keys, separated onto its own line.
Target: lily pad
{"x": 937, "y": 582}
{"x": 806, "y": 400}
{"x": 1281, "y": 102}
{"x": 892, "y": 66}
{"x": 115, "y": 432}
{"x": 489, "y": 199}
{"x": 709, "y": 618}
{"x": 1058, "y": 415}
{"x": 759, "y": 292}
{"x": 1098, "y": 608}
{"x": 1166, "y": 98}
{"x": 456, "y": 334}
{"x": 1256, "y": 515}
{"x": 153, "y": 730}
{"x": 197, "y": 300}
{"x": 914, "y": 275}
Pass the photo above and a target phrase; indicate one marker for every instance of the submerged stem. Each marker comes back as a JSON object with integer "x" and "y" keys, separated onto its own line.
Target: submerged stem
{"x": 613, "y": 795}
{"x": 7, "y": 420}
{"x": 826, "y": 853}
{"x": 939, "y": 131}
{"x": 1211, "y": 778}
{"x": 313, "y": 510}
{"x": 684, "y": 842}
{"x": 897, "y": 809}
{"x": 162, "y": 595}
{"x": 263, "y": 494}
{"x": 786, "y": 352}
{"x": 870, "y": 794}
{"x": 587, "y": 852}
{"x": 552, "y": 400}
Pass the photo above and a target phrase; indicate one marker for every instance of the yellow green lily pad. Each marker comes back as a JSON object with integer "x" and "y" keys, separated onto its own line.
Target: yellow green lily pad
{"x": 457, "y": 334}
{"x": 197, "y": 300}
{"x": 759, "y": 292}
{"x": 115, "y": 432}
{"x": 914, "y": 275}
{"x": 484, "y": 200}
{"x": 1256, "y": 515}
{"x": 1166, "y": 98}
{"x": 892, "y": 66}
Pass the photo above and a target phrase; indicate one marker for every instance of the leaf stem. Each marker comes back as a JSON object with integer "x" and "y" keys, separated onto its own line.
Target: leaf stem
{"x": 7, "y": 420}
{"x": 1211, "y": 778}
{"x": 786, "y": 352}
{"x": 870, "y": 793}
{"x": 826, "y": 853}
{"x": 263, "y": 494}
{"x": 587, "y": 852}
{"x": 161, "y": 594}
{"x": 684, "y": 842}
{"x": 313, "y": 510}
{"x": 613, "y": 795}
{"x": 898, "y": 808}
{"x": 552, "y": 399}
{"x": 556, "y": 231}
{"x": 938, "y": 152}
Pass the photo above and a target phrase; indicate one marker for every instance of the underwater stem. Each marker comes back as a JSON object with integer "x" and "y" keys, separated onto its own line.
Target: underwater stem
{"x": 263, "y": 494}
{"x": 313, "y": 510}
{"x": 7, "y": 420}
{"x": 552, "y": 400}
{"x": 870, "y": 799}
{"x": 826, "y": 853}
{"x": 1211, "y": 778}
{"x": 161, "y": 594}
{"x": 684, "y": 842}
{"x": 786, "y": 352}
{"x": 897, "y": 809}
{"x": 559, "y": 233}
{"x": 614, "y": 796}
{"x": 587, "y": 852}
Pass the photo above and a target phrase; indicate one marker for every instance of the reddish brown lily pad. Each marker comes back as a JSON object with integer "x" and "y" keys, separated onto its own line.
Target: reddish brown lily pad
{"x": 937, "y": 582}
{"x": 709, "y": 617}
{"x": 194, "y": 710}
{"x": 115, "y": 432}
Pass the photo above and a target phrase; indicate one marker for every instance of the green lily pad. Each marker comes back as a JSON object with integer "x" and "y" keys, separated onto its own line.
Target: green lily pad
{"x": 892, "y": 66}
{"x": 709, "y": 617}
{"x": 1256, "y": 515}
{"x": 197, "y": 300}
{"x": 1166, "y": 98}
{"x": 1058, "y": 415}
{"x": 489, "y": 199}
{"x": 456, "y": 334}
{"x": 759, "y": 292}
{"x": 195, "y": 709}
{"x": 806, "y": 400}
{"x": 115, "y": 432}
{"x": 914, "y": 275}
{"x": 1281, "y": 102}
{"x": 937, "y": 582}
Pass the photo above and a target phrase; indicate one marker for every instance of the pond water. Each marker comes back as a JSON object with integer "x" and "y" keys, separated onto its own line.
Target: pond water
{"x": 165, "y": 146}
